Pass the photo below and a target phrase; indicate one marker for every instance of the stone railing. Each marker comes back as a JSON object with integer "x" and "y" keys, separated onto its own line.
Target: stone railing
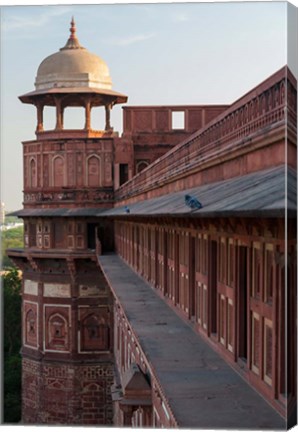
{"x": 74, "y": 134}
{"x": 49, "y": 196}
{"x": 261, "y": 109}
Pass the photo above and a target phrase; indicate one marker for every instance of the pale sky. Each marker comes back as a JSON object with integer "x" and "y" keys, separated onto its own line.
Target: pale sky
{"x": 157, "y": 54}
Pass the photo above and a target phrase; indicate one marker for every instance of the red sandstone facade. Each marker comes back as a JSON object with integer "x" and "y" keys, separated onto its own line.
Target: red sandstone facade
{"x": 225, "y": 275}
{"x": 223, "y": 272}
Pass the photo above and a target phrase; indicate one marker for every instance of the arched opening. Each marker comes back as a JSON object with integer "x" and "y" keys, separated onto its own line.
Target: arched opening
{"x": 58, "y": 335}
{"x": 32, "y": 174}
{"x": 93, "y": 171}
{"x": 30, "y": 326}
{"x": 74, "y": 118}
{"x": 49, "y": 118}
{"x": 141, "y": 165}
{"x": 58, "y": 171}
{"x": 98, "y": 118}
{"x": 95, "y": 333}
{"x": 30, "y": 320}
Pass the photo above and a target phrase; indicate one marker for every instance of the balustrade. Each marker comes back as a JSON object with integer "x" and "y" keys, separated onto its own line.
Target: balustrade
{"x": 98, "y": 195}
{"x": 265, "y": 110}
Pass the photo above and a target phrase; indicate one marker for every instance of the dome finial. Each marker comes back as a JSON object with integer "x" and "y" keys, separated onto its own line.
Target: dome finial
{"x": 73, "y": 42}
{"x": 73, "y": 29}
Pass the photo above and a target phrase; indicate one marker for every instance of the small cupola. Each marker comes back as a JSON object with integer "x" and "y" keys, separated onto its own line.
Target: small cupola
{"x": 73, "y": 66}
{"x": 73, "y": 77}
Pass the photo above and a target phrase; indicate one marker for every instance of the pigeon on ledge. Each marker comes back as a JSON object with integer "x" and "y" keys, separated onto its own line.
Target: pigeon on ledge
{"x": 192, "y": 202}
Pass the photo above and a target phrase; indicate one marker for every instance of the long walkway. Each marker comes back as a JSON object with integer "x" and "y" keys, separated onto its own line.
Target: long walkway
{"x": 203, "y": 391}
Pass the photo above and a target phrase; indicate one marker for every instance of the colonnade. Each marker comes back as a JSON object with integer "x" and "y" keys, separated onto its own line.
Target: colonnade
{"x": 87, "y": 103}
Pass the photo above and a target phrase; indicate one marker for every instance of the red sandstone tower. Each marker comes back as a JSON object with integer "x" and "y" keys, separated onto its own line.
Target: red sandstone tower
{"x": 67, "y": 306}
{"x": 69, "y": 179}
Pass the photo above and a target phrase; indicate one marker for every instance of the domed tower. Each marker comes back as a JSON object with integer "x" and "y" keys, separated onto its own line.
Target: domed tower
{"x": 67, "y": 306}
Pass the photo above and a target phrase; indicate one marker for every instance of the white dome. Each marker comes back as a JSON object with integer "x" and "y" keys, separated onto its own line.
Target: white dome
{"x": 73, "y": 66}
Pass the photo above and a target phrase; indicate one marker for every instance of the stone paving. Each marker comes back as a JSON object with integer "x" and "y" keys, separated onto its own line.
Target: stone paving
{"x": 203, "y": 391}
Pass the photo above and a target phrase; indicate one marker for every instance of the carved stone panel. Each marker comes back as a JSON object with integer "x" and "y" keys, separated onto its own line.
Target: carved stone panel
{"x": 32, "y": 173}
{"x": 94, "y": 329}
{"x": 162, "y": 120}
{"x": 70, "y": 170}
{"x": 89, "y": 290}
{"x": 46, "y": 170}
{"x": 58, "y": 171}
{"x": 30, "y": 324}
{"x": 26, "y": 177}
{"x": 79, "y": 171}
{"x": 143, "y": 120}
{"x": 56, "y": 290}
{"x": 108, "y": 168}
{"x": 30, "y": 287}
{"x": 57, "y": 328}
{"x": 93, "y": 169}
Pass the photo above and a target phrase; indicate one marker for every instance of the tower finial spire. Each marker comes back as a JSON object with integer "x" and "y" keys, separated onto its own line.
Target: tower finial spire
{"x": 72, "y": 28}
{"x": 73, "y": 42}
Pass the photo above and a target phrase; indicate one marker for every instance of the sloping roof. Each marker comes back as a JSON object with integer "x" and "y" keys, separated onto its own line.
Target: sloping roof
{"x": 256, "y": 194}
{"x": 60, "y": 212}
{"x": 29, "y": 97}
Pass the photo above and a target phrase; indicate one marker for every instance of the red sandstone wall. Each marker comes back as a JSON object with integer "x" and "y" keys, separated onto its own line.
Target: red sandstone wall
{"x": 158, "y": 119}
{"x": 57, "y": 393}
{"x": 151, "y": 132}
{"x": 67, "y": 343}
{"x": 72, "y": 234}
{"x": 66, "y": 172}
{"x": 175, "y": 257}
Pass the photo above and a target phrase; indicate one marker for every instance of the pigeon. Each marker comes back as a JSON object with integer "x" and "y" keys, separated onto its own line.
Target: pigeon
{"x": 192, "y": 202}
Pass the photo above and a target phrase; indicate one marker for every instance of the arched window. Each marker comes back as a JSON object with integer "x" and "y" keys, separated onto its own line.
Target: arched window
{"x": 32, "y": 174}
{"x": 30, "y": 320}
{"x": 58, "y": 171}
{"x": 95, "y": 335}
{"x": 92, "y": 327}
{"x": 141, "y": 165}
{"x": 58, "y": 332}
{"x": 93, "y": 171}
{"x": 30, "y": 328}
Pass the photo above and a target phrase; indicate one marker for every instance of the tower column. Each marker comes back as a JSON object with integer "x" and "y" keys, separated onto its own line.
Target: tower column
{"x": 87, "y": 115}
{"x": 128, "y": 411}
{"x": 62, "y": 116}
{"x": 59, "y": 114}
{"x": 108, "y": 108}
{"x": 39, "y": 107}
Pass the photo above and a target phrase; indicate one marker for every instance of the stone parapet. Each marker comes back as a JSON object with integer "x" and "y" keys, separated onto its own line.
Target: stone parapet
{"x": 257, "y": 114}
{"x": 65, "y": 196}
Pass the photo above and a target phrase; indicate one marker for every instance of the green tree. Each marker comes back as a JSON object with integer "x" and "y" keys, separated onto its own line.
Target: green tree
{"x": 12, "y": 387}
{"x": 11, "y": 219}
{"x": 10, "y": 239}
{"x": 12, "y": 311}
{"x": 11, "y": 286}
